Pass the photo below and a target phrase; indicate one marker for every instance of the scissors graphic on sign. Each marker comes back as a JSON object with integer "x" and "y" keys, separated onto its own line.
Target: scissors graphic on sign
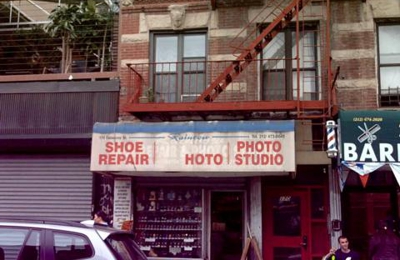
{"x": 368, "y": 133}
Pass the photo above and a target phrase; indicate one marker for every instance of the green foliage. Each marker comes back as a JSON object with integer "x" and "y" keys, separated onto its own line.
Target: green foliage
{"x": 149, "y": 93}
{"x": 84, "y": 28}
{"x": 64, "y": 20}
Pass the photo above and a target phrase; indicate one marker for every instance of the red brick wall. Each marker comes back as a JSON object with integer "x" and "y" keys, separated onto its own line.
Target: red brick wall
{"x": 347, "y": 11}
{"x": 352, "y": 69}
{"x": 357, "y": 99}
{"x": 353, "y": 40}
{"x": 232, "y": 17}
{"x": 130, "y": 23}
{"x": 138, "y": 50}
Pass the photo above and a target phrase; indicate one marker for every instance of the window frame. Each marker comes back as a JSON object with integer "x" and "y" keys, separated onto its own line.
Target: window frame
{"x": 289, "y": 69}
{"x": 393, "y": 99}
{"x": 29, "y": 231}
{"x": 50, "y": 238}
{"x": 180, "y": 70}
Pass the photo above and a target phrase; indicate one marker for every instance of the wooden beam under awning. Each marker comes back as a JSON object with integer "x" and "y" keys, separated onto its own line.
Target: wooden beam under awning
{"x": 213, "y": 4}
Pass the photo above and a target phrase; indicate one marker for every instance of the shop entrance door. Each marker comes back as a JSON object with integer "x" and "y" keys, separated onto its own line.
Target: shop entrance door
{"x": 227, "y": 218}
{"x": 371, "y": 207}
{"x": 286, "y": 228}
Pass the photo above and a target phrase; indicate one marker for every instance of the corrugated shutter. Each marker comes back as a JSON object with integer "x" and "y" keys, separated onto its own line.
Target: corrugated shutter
{"x": 58, "y": 187}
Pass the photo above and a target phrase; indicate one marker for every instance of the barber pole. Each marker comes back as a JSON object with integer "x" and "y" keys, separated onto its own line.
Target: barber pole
{"x": 331, "y": 137}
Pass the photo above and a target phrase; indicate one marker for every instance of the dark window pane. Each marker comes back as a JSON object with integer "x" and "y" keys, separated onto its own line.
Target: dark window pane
{"x": 165, "y": 88}
{"x": 317, "y": 204}
{"x": 71, "y": 246}
{"x": 286, "y": 216}
{"x": 194, "y": 83}
{"x": 274, "y": 86}
{"x": 31, "y": 249}
{"x": 125, "y": 247}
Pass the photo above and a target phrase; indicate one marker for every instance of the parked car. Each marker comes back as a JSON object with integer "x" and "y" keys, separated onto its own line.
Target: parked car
{"x": 43, "y": 239}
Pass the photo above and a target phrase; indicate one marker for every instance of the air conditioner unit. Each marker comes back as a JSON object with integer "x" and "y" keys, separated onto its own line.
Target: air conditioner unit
{"x": 189, "y": 97}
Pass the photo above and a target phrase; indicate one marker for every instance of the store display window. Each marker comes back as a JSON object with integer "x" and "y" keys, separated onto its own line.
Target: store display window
{"x": 168, "y": 221}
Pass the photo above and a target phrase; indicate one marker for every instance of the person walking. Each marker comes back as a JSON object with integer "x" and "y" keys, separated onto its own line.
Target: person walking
{"x": 100, "y": 218}
{"x": 343, "y": 253}
{"x": 384, "y": 244}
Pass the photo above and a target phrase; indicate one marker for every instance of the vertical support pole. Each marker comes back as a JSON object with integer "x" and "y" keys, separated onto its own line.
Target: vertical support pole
{"x": 335, "y": 203}
{"x": 256, "y": 209}
{"x": 297, "y": 58}
{"x": 331, "y": 93}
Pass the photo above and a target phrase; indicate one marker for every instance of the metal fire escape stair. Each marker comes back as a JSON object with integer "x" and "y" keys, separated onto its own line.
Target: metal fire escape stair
{"x": 252, "y": 51}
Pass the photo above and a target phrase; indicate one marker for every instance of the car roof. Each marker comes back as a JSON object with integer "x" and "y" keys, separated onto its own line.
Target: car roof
{"x": 40, "y": 221}
{"x": 84, "y": 226}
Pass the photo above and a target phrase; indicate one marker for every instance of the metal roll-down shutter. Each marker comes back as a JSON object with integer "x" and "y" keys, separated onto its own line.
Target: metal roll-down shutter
{"x": 57, "y": 187}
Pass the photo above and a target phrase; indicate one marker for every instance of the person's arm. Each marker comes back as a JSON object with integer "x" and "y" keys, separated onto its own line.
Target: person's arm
{"x": 328, "y": 255}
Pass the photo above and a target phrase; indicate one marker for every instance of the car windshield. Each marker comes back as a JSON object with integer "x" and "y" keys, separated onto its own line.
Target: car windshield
{"x": 124, "y": 247}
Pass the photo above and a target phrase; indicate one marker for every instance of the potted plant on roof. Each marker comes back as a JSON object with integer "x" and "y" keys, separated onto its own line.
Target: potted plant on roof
{"x": 83, "y": 28}
{"x": 147, "y": 96}
{"x": 64, "y": 20}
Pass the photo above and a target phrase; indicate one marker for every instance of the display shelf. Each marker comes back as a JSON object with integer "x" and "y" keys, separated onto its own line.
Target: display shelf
{"x": 168, "y": 222}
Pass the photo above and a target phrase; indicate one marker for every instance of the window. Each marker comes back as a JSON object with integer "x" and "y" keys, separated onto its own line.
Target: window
{"x": 31, "y": 249}
{"x": 389, "y": 64}
{"x": 71, "y": 246}
{"x": 169, "y": 221}
{"x": 179, "y": 70}
{"x": 12, "y": 244}
{"x": 279, "y": 66}
{"x": 124, "y": 247}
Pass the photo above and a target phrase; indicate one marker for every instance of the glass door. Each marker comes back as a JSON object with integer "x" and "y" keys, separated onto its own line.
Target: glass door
{"x": 286, "y": 233}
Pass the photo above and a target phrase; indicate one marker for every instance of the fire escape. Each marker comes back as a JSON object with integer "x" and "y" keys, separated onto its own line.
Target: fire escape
{"x": 230, "y": 91}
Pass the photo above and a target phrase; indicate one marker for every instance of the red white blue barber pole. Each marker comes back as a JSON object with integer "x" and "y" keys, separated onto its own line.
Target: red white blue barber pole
{"x": 332, "y": 150}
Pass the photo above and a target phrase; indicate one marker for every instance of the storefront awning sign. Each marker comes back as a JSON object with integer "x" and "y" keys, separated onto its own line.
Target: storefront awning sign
{"x": 231, "y": 146}
{"x": 370, "y": 140}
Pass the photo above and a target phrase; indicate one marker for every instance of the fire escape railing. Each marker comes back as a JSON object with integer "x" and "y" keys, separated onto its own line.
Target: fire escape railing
{"x": 251, "y": 52}
{"x": 253, "y": 75}
{"x": 183, "y": 82}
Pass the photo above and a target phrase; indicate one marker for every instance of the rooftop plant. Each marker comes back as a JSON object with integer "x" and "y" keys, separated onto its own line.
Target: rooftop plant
{"x": 84, "y": 28}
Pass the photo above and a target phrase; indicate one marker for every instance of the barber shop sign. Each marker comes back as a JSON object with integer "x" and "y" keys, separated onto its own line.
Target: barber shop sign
{"x": 369, "y": 136}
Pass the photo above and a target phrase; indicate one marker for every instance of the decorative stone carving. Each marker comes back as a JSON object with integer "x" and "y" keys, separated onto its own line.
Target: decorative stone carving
{"x": 127, "y": 2}
{"x": 178, "y": 15}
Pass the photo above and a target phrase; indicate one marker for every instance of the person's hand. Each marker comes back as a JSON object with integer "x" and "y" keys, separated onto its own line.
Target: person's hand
{"x": 331, "y": 252}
